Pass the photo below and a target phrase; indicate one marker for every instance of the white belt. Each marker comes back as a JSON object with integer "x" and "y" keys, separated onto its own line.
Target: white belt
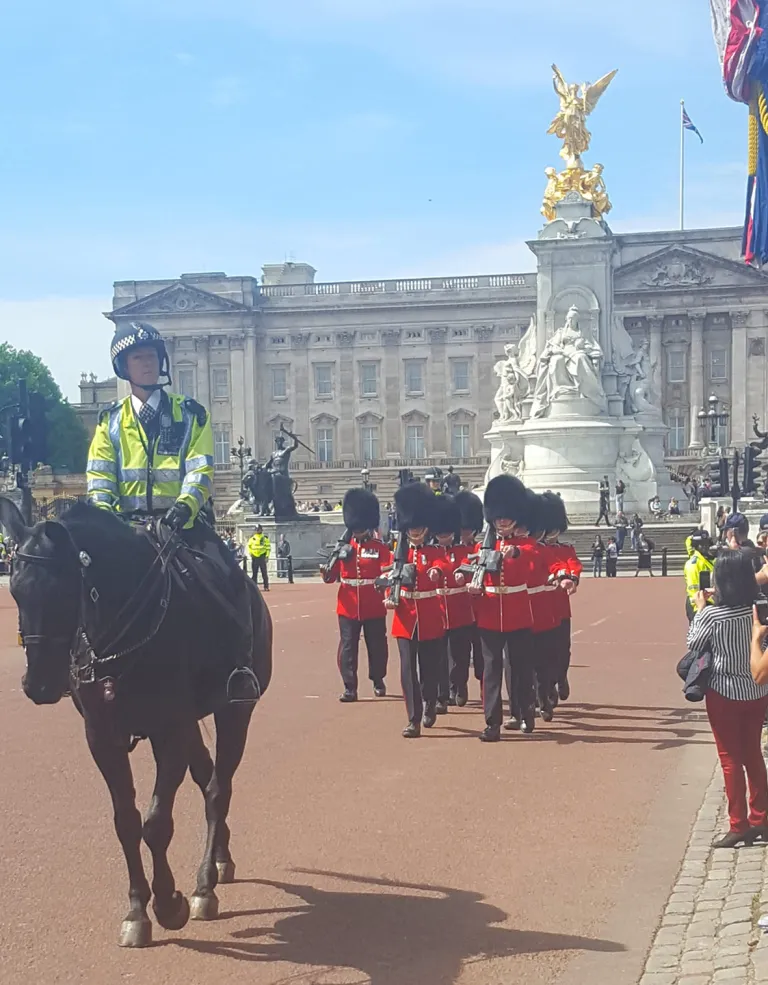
{"x": 451, "y": 591}
{"x": 541, "y": 588}
{"x": 406, "y": 594}
{"x": 358, "y": 582}
{"x": 505, "y": 589}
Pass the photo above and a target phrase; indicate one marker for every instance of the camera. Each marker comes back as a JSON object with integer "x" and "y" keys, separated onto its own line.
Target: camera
{"x": 761, "y": 605}
{"x": 705, "y": 580}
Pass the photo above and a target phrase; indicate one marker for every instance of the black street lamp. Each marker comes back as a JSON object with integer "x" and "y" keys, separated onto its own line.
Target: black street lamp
{"x": 365, "y": 474}
{"x": 711, "y": 422}
{"x": 241, "y": 453}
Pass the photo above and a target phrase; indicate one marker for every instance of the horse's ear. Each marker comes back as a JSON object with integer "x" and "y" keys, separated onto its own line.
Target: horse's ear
{"x": 12, "y": 521}
{"x": 59, "y": 536}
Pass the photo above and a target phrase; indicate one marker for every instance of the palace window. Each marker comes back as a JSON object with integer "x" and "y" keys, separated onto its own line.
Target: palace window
{"x": 460, "y": 374}
{"x": 323, "y": 381}
{"x": 676, "y": 366}
{"x": 676, "y": 439}
{"x": 222, "y": 447}
{"x": 718, "y": 364}
{"x": 414, "y": 376}
{"x": 220, "y": 381}
{"x": 460, "y": 441}
{"x": 414, "y": 441}
{"x": 369, "y": 381}
{"x": 369, "y": 442}
{"x": 186, "y": 380}
{"x": 324, "y": 444}
{"x": 279, "y": 382}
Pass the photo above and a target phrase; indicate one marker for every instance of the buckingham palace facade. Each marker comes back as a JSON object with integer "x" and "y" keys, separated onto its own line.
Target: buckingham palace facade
{"x": 389, "y": 373}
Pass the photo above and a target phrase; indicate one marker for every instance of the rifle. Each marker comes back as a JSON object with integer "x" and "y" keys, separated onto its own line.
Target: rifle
{"x": 402, "y": 573}
{"x": 486, "y": 561}
{"x": 340, "y": 552}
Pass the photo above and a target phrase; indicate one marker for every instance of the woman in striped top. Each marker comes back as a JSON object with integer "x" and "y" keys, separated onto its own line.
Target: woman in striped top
{"x": 736, "y": 705}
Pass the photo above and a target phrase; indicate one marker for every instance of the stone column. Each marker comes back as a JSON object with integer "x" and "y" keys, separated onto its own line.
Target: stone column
{"x": 301, "y": 389}
{"x": 697, "y": 376}
{"x": 390, "y": 339}
{"x": 740, "y": 427}
{"x": 251, "y": 424}
{"x": 487, "y": 384}
{"x": 170, "y": 346}
{"x": 346, "y": 396}
{"x": 655, "y": 328}
{"x": 203, "y": 371}
{"x": 237, "y": 385}
{"x": 438, "y": 390}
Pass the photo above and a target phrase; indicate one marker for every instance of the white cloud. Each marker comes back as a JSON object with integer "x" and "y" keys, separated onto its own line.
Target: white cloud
{"x": 69, "y": 334}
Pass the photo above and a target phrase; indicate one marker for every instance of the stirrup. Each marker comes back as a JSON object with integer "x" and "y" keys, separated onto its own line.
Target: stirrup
{"x": 247, "y": 675}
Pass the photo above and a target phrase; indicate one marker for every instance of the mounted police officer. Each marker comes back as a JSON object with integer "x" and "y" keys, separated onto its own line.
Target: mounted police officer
{"x": 152, "y": 455}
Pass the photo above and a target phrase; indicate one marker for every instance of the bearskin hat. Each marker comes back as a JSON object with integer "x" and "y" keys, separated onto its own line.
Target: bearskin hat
{"x": 471, "y": 509}
{"x": 414, "y": 504}
{"x": 446, "y": 516}
{"x": 506, "y": 498}
{"x": 537, "y": 519}
{"x": 555, "y": 515}
{"x": 361, "y": 510}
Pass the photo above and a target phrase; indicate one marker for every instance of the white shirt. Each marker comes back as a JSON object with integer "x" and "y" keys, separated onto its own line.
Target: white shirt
{"x": 154, "y": 401}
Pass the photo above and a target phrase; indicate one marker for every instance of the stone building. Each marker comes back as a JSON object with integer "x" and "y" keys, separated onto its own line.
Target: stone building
{"x": 389, "y": 373}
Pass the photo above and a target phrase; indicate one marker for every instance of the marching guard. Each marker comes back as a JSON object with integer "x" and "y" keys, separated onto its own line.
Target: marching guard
{"x": 542, "y": 591}
{"x": 418, "y": 624}
{"x": 445, "y": 526}
{"x": 565, "y": 573}
{"x": 356, "y": 563}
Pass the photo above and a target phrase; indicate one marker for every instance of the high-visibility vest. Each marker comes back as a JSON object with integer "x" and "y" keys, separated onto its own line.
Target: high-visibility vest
{"x": 128, "y": 473}
{"x": 695, "y": 564}
{"x": 258, "y": 545}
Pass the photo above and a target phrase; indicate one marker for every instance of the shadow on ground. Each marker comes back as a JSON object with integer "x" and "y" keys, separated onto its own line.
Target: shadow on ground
{"x": 403, "y": 935}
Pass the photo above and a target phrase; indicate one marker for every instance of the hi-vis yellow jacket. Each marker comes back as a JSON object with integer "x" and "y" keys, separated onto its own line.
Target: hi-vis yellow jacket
{"x": 128, "y": 474}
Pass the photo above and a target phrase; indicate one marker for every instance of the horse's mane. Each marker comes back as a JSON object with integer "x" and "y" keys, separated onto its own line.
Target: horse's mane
{"x": 97, "y": 521}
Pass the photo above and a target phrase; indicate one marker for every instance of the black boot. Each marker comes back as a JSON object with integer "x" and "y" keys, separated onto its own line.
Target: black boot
{"x": 451, "y": 702}
{"x": 412, "y": 730}
{"x": 461, "y": 697}
{"x": 348, "y": 697}
{"x": 430, "y": 715}
{"x": 380, "y": 689}
{"x": 529, "y": 721}
{"x": 441, "y": 708}
{"x": 491, "y": 733}
{"x": 735, "y": 838}
{"x": 512, "y": 725}
{"x": 243, "y": 686}
{"x": 564, "y": 689}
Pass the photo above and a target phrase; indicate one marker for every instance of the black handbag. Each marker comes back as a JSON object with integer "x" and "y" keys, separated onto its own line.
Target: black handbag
{"x": 696, "y": 671}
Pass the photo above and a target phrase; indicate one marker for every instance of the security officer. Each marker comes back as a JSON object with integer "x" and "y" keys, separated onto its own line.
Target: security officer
{"x": 258, "y": 549}
{"x": 701, "y": 561}
{"x": 152, "y": 455}
{"x": 434, "y": 480}
{"x": 356, "y": 564}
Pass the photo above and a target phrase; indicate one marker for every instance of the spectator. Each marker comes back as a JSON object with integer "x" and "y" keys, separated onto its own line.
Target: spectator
{"x": 737, "y": 696}
{"x": 622, "y": 525}
{"x": 284, "y": 559}
{"x": 619, "y": 491}
{"x": 655, "y": 508}
{"x": 611, "y": 558}
{"x": 736, "y": 531}
{"x": 644, "y": 555}
{"x": 720, "y": 524}
{"x": 637, "y": 526}
{"x": 674, "y": 507}
{"x": 605, "y": 492}
{"x": 598, "y": 550}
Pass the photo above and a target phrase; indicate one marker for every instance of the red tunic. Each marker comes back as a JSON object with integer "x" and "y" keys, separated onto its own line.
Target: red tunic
{"x": 565, "y": 564}
{"x": 358, "y": 598}
{"x": 505, "y": 605}
{"x": 541, "y": 592}
{"x": 457, "y": 602}
{"x": 420, "y": 612}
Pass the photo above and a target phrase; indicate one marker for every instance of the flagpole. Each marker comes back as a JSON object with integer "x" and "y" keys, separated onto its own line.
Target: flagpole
{"x": 682, "y": 167}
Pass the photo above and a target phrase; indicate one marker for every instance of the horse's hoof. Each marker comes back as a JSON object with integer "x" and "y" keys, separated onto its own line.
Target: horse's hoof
{"x": 226, "y": 872}
{"x": 205, "y": 907}
{"x": 176, "y": 915}
{"x": 135, "y": 933}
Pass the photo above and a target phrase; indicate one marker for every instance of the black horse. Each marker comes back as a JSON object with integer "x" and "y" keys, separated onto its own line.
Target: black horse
{"x": 102, "y": 618}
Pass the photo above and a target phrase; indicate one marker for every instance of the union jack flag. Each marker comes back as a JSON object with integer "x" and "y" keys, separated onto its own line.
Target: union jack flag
{"x": 689, "y": 125}
{"x": 735, "y": 24}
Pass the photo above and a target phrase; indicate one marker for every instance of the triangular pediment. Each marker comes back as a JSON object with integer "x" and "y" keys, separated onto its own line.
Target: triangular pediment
{"x": 684, "y": 268}
{"x": 178, "y": 299}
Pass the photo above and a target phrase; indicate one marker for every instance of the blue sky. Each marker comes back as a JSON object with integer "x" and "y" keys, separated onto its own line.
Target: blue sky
{"x": 370, "y": 138}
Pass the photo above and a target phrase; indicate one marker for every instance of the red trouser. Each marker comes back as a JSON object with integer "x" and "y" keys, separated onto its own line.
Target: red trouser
{"x": 736, "y": 726}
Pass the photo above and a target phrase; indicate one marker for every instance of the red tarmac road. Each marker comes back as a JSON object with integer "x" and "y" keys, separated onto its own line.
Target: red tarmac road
{"x": 363, "y": 857}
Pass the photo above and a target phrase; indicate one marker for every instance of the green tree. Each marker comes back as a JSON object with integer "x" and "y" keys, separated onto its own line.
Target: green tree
{"x": 67, "y": 438}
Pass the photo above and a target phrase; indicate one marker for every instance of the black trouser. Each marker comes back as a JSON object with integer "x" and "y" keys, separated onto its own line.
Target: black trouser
{"x": 610, "y": 567}
{"x": 521, "y": 674}
{"x": 285, "y": 567}
{"x": 689, "y": 610}
{"x": 603, "y": 515}
{"x": 545, "y": 665}
{"x": 419, "y": 667}
{"x": 459, "y": 650}
{"x": 259, "y": 564}
{"x": 375, "y": 632}
{"x": 478, "y": 663}
{"x": 562, "y": 650}
{"x": 443, "y": 676}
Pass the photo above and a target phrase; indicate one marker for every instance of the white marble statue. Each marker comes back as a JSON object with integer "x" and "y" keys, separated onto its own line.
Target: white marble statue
{"x": 637, "y": 373}
{"x": 635, "y": 467}
{"x": 528, "y": 351}
{"x": 513, "y": 387}
{"x": 568, "y": 368}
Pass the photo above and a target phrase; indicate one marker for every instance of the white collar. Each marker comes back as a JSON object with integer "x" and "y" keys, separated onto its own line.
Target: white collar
{"x": 154, "y": 401}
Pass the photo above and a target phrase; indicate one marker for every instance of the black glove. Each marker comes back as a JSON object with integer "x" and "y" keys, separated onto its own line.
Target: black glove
{"x": 177, "y": 516}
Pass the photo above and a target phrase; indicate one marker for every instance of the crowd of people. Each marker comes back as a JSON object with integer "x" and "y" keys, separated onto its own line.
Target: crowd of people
{"x": 500, "y": 606}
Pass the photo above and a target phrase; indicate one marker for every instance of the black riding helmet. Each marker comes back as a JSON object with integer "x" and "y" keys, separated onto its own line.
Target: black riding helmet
{"x": 133, "y": 334}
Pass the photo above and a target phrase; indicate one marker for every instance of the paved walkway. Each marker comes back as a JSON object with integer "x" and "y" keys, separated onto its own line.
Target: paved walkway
{"x": 709, "y": 931}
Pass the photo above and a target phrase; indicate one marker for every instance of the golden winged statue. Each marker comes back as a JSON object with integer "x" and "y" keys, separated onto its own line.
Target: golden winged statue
{"x": 576, "y": 103}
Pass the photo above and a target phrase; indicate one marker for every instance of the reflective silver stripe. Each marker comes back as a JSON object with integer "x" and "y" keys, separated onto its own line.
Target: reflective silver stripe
{"x": 94, "y": 484}
{"x": 133, "y": 475}
{"x": 101, "y": 465}
{"x": 418, "y": 595}
{"x": 100, "y": 497}
{"x": 189, "y": 420}
{"x": 357, "y": 582}
{"x": 138, "y": 504}
{"x": 194, "y": 492}
{"x": 114, "y": 434}
{"x": 198, "y": 479}
{"x": 505, "y": 589}
{"x": 451, "y": 591}
{"x": 198, "y": 462}
{"x": 165, "y": 475}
